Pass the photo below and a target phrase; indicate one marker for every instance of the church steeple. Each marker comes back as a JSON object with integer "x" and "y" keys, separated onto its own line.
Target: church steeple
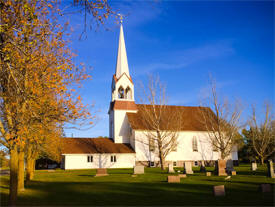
{"x": 123, "y": 98}
{"x": 122, "y": 62}
{"x": 122, "y": 84}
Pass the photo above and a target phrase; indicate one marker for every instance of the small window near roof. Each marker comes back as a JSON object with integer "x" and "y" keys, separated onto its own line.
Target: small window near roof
{"x": 89, "y": 158}
{"x": 174, "y": 163}
{"x": 113, "y": 158}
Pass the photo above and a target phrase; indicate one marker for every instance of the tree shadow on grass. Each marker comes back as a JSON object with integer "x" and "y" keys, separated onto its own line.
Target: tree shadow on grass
{"x": 134, "y": 193}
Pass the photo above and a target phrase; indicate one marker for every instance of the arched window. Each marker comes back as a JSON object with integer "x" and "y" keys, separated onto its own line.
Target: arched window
{"x": 128, "y": 93}
{"x": 195, "y": 144}
{"x": 121, "y": 94}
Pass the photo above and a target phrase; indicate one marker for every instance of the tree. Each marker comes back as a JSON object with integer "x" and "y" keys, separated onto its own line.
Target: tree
{"x": 263, "y": 133}
{"x": 36, "y": 71}
{"x": 246, "y": 152}
{"x": 221, "y": 123}
{"x": 162, "y": 122}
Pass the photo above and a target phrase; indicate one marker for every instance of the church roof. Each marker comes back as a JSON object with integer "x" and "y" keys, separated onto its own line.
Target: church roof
{"x": 123, "y": 105}
{"x": 191, "y": 118}
{"x": 93, "y": 145}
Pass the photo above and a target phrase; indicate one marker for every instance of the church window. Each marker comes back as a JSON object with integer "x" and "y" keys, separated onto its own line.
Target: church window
{"x": 121, "y": 94}
{"x": 89, "y": 158}
{"x": 128, "y": 93}
{"x": 151, "y": 145}
{"x": 174, "y": 164}
{"x": 113, "y": 158}
{"x": 195, "y": 144}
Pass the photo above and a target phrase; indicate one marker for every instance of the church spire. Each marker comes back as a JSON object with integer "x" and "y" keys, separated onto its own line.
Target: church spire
{"x": 121, "y": 63}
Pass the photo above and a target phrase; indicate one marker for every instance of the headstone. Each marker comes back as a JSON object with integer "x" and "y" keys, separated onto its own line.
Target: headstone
{"x": 182, "y": 175}
{"x": 188, "y": 167}
{"x": 208, "y": 173}
{"x": 270, "y": 169}
{"x": 253, "y": 166}
{"x": 229, "y": 166}
{"x": 134, "y": 175}
{"x": 219, "y": 190}
{"x": 173, "y": 179}
{"x": 227, "y": 178}
{"x": 139, "y": 169}
{"x": 265, "y": 188}
{"x": 101, "y": 172}
{"x": 170, "y": 168}
{"x": 221, "y": 165}
{"x": 233, "y": 172}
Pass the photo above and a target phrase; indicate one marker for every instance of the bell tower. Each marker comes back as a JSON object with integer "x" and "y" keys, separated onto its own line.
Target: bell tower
{"x": 122, "y": 99}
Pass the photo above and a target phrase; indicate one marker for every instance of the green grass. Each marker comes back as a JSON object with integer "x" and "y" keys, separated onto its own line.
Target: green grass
{"x": 80, "y": 187}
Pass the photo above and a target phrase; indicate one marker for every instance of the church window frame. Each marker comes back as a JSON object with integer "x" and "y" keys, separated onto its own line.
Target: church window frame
{"x": 90, "y": 158}
{"x": 152, "y": 146}
{"x": 121, "y": 92}
{"x": 113, "y": 158}
{"x": 128, "y": 93}
{"x": 195, "y": 144}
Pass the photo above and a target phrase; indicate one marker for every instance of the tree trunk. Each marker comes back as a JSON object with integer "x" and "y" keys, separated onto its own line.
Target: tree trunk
{"x": 33, "y": 168}
{"x": 161, "y": 159}
{"x": 222, "y": 155}
{"x": 21, "y": 171}
{"x": 262, "y": 160}
{"x": 13, "y": 176}
{"x": 30, "y": 169}
{"x": 162, "y": 162}
{"x": 160, "y": 148}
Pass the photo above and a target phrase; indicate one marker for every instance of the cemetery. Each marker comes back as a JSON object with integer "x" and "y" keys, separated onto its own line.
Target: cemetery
{"x": 147, "y": 186}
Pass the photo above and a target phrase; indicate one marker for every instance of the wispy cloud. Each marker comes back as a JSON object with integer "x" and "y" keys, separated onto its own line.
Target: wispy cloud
{"x": 181, "y": 59}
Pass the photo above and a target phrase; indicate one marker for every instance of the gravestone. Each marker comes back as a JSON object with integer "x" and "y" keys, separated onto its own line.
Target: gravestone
{"x": 138, "y": 169}
{"x": 188, "y": 167}
{"x": 253, "y": 166}
{"x": 101, "y": 172}
{"x": 227, "y": 178}
{"x": 219, "y": 190}
{"x": 170, "y": 168}
{"x": 270, "y": 169}
{"x": 208, "y": 173}
{"x": 182, "y": 175}
{"x": 265, "y": 188}
{"x": 233, "y": 172}
{"x": 220, "y": 167}
{"x": 173, "y": 179}
{"x": 229, "y": 166}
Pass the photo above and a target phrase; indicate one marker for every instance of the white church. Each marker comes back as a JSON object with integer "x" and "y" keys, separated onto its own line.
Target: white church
{"x": 123, "y": 148}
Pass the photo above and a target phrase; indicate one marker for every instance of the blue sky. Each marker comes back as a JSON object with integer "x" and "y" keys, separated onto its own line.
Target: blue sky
{"x": 183, "y": 42}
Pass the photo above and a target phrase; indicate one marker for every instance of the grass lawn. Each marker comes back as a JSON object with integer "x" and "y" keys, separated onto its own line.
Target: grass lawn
{"x": 80, "y": 187}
